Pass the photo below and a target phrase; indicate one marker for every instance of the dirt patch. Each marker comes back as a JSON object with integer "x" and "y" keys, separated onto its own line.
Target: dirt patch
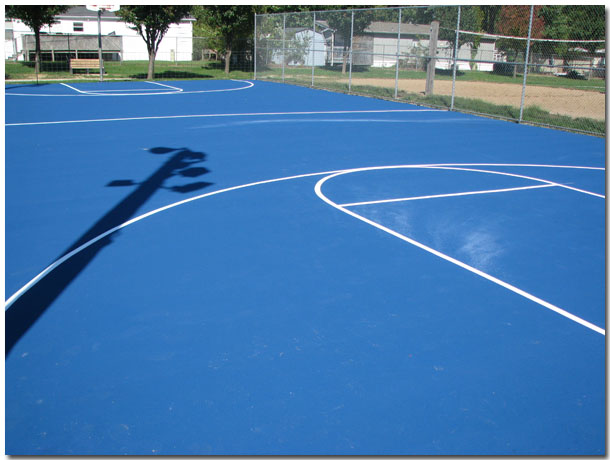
{"x": 561, "y": 101}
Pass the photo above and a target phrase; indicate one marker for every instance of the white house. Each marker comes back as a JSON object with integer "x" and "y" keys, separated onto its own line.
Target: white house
{"x": 76, "y": 35}
{"x": 378, "y": 46}
{"x": 414, "y": 44}
{"x": 302, "y": 47}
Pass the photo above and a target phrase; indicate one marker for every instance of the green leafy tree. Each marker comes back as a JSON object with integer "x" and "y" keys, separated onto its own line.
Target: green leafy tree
{"x": 489, "y": 16}
{"x": 152, "y": 22}
{"x": 583, "y": 22}
{"x": 232, "y": 22}
{"x": 341, "y": 23}
{"x": 270, "y": 37}
{"x": 447, "y": 17}
{"x": 35, "y": 17}
{"x": 513, "y": 20}
{"x": 556, "y": 26}
{"x": 573, "y": 22}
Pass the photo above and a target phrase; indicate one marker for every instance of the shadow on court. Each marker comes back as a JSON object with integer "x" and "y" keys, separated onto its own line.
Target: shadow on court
{"x": 172, "y": 75}
{"x": 24, "y": 312}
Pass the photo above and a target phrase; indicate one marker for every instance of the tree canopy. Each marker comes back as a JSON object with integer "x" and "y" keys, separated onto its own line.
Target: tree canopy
{"x": 231, "y": 23}
{"x": 35, "y": 17}
{"x": 152, "y": 23}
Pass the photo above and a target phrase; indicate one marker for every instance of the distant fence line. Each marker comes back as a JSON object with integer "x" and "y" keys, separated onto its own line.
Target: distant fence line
{"x": 61, "y": 47}
{"x": 419, "y": 55}
{"x": 384, "y": 52}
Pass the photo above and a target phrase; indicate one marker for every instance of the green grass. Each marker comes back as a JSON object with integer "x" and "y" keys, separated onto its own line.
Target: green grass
{"x": 215, "y": 70}
{"x": 552, "y": 81}
{"x": 128, "y": 70}
{"x": 533, "y": 114}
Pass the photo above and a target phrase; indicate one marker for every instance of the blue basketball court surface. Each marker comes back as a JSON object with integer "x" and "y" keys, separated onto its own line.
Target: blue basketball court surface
{"x": 245, "y": 267}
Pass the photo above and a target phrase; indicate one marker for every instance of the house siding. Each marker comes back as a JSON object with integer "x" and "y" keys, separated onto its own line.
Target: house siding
{"x": 176, "y": 45}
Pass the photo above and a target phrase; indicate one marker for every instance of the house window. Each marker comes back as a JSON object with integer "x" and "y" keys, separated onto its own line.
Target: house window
{"x": 78, "y": 27}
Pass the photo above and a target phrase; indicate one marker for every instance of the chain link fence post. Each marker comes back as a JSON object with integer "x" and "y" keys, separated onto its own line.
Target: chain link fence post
{"x": 284, "y": 48}
{"x": 255, "y": 43}
{"x": 527, "y": 54}
{"x": 397, "y": 54}
{"x": 455, "y": 55}
{"x": 313, "y": 60}
{"x": 351, "y": 53}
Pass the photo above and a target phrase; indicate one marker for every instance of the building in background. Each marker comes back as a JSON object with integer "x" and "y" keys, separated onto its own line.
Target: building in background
{"x": 75, "y": 35}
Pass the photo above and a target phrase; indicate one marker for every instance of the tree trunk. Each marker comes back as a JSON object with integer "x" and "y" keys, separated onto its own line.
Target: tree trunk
{"x": 344, "y": 65}
{"x": 515, "y": 64}
{"x": 37, "y": 53}
{"x": 151, "y": 65}
{"x": 228, "y": 59}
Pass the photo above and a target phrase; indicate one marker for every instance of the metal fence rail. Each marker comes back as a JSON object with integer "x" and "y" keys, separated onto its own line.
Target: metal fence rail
{"x": 433, "y": 56}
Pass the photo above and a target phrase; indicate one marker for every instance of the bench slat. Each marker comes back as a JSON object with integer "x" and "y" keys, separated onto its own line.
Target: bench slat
{"x": 84, "y": 64}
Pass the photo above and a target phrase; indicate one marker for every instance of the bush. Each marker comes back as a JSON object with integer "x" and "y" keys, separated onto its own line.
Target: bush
{"x": 574, "y": 74}
{"x": 504, "y": 68}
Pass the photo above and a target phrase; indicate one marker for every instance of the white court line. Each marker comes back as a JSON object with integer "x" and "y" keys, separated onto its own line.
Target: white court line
{"x": 76, "y": 89}
{"x": 218, "y": 115}
{"x": 61, "y": 260}
{"x": 445, "y": 195}
{"x": 523, "y": 177}
{"x": 98, "y": 92}
{"x": 249, "y": 84}
{"x": 171, "y": 88}
{"x": 329, "y": 175}
{"x": 167, "y": 86}
{"x": 527, "y": 295}
{"x": 116, "y": 90}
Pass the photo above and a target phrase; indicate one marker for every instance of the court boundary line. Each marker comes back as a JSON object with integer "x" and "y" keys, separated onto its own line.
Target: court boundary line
{"x": 329, "y": 175}
{"x": 102, "y": 91}
{"x": 504, "y": 284}
{"x": 557, "y": 184}
{"x": 84, "y": 246}
{"x": 81, "y": 93}
{"x": 445, "y": 195}
{"x": 221, "y": 115}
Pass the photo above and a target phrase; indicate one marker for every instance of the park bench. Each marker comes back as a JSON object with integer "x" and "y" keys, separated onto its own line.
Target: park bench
{"x": 84, "y": 64}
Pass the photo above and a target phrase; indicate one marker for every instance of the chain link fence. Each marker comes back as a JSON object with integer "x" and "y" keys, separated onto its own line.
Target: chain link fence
{"x": 543, "y": 65}
{"x": 534, "y": 64}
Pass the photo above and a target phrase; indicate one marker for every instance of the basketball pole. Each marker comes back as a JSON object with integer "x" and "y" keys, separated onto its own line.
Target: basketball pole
{"x": 99, "y": 42}
{"x": 100, "y": 9}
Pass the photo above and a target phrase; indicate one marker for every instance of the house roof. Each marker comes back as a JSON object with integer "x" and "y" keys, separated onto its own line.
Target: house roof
{"x": 379, "y": 27}
{"x": 81, "y": 12}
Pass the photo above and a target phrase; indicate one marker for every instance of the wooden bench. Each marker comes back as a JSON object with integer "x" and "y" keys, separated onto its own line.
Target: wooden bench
{"x": 84, "y": 64}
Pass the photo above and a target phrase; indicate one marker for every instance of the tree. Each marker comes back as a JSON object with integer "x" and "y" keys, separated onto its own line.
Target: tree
{"x": 573, "y": 22}
{"x": 586, "y": 22}
{"x": 514, "y": 21}
{"x": 341, "y": 23}
{"x": 233, "y": 23}
{"x": 489, "y": 17}
{"x": 152, "y": 22}
{"x": 35, "y": 17}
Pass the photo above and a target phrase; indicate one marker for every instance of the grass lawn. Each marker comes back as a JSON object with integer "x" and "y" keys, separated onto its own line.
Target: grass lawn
{"x": 215, "y": 70}
{"x": 127, "y": 70}
{"x": 594, "y": 84}
{"x": 530, "y": 114}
